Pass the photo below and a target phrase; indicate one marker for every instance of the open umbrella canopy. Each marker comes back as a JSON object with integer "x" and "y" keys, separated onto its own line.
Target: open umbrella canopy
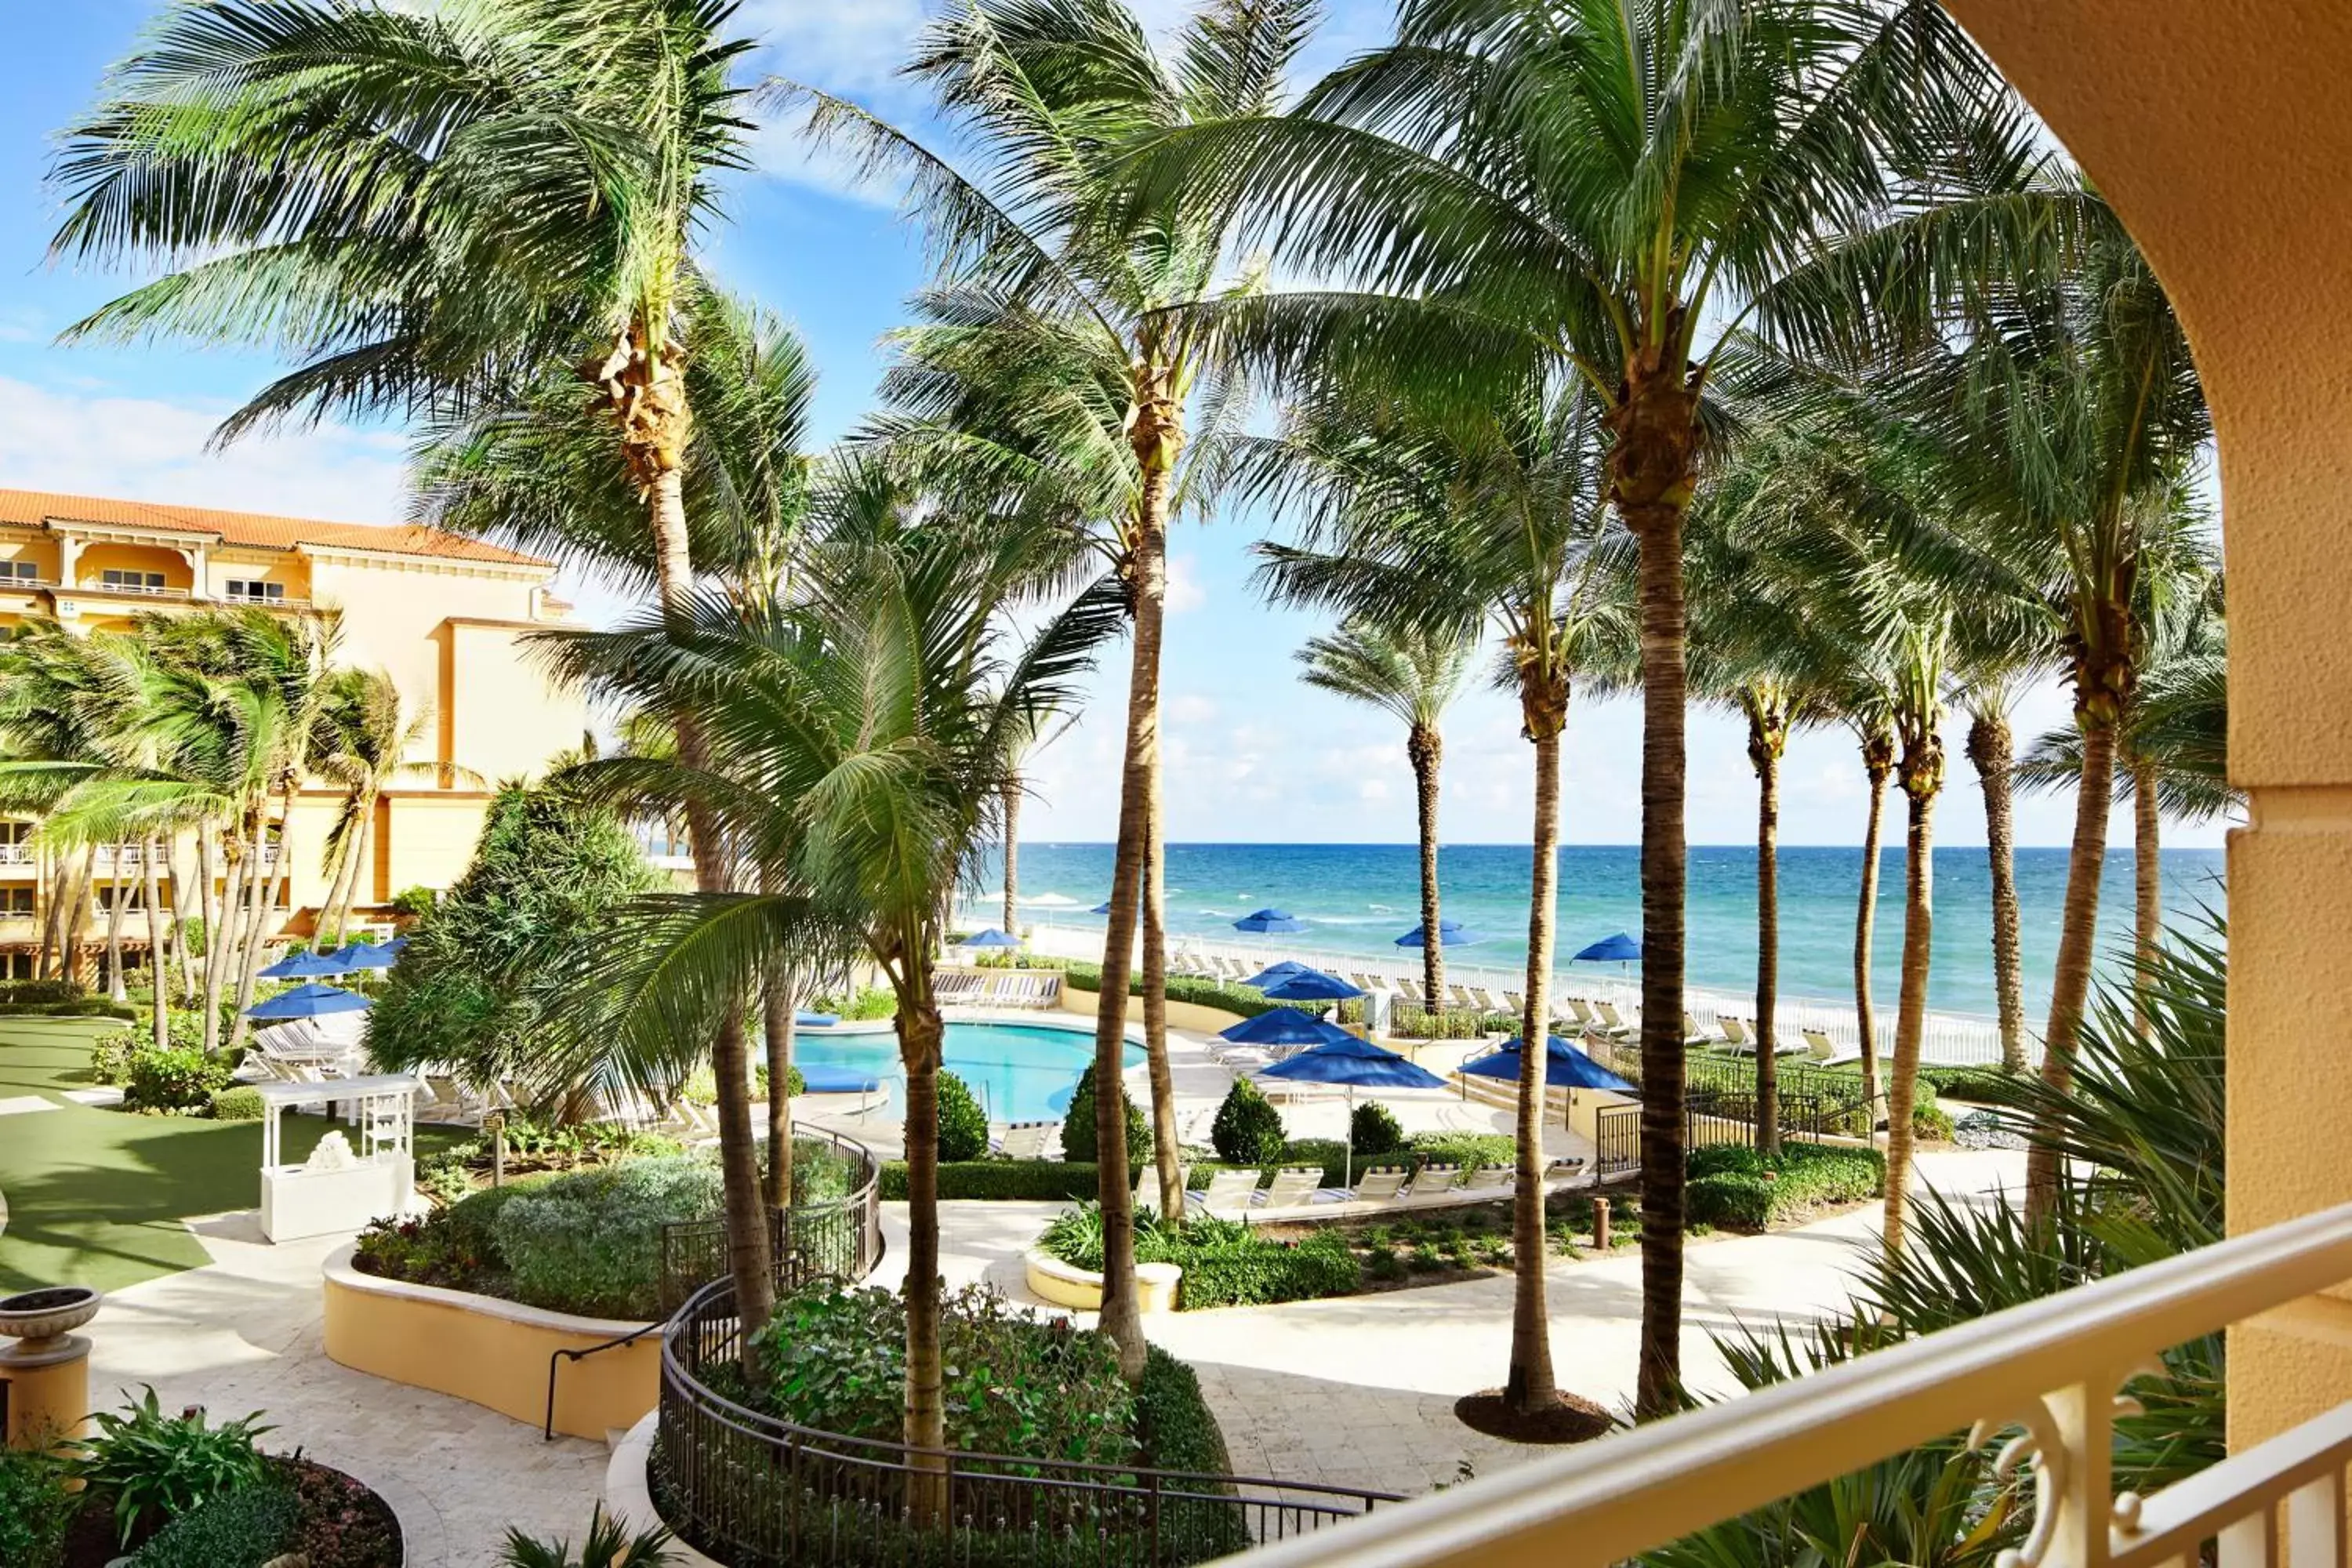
{"x": 1449, "y": 933}
{"x": 365, "y": 955}
{"x": 1275, "y": 973}
{"x": 1101, "y": 908}
{"x": 1311, "y": 986}
{"x": 1564, "y": 1066}
{"x": 303, "y": 966}
{"x": 1618, "y": 949}
{"x": 397, "y": 944}
{"x": 1270, "y": 920}
{"x": 1285, "y": 1026}
{"x": 1358, "y": 1064}
{"x": 991, "y": 937}
{"x": 308, "y": 1002}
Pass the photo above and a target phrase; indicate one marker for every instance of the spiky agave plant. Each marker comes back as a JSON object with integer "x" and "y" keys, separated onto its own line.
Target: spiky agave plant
{"x": 609, "y": 1543}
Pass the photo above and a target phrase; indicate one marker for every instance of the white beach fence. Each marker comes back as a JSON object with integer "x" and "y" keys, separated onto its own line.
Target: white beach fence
{"x": 1950, "y": 1039}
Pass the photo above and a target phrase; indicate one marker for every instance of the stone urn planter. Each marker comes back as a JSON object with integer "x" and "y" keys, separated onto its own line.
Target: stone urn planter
{"x": 42, "y": 1321}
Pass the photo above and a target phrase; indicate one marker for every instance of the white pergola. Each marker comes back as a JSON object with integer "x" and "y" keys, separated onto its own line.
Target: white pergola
{"x": 339, "y": 1188}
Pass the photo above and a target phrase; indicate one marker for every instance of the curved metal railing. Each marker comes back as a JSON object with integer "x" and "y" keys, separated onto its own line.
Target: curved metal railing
{"x": 838, "y": 1237}
{"x": 756, "y": 1491}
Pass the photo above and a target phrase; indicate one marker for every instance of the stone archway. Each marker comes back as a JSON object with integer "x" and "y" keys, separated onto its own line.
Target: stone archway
{"x": 2221, "y": 130}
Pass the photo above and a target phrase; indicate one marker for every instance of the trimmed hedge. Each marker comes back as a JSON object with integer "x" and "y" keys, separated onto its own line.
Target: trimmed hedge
{"x": 1735, "y": 1188}
{"x": 1177, "y": 1431}
{"x": 1254, "y": 1271}
{"x": 236, "y": 1530}
{"x": 1044, "y": 1180}
{"x": 241, "y": 1103}
{"x": 1056, "y": 1181}
{"x": 1242, "y": 1001}
{"x": 1990, "y": 1086}
{"x": 42, "y": 991}
{"x": 79, "y": 1008}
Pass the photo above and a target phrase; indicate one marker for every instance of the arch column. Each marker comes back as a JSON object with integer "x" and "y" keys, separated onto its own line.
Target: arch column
{"x": 2222, "y": 130}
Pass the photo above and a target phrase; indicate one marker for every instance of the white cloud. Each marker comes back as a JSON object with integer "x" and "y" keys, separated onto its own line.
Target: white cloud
{"x": 1184, "y": 591}
{"x": 1189, "y": 708}
{"x": 102, "y": 443}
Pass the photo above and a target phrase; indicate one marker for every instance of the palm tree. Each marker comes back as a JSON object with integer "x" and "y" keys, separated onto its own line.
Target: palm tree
{"x": 1412, "y": 674}
{"x": 365, "y": 735}
{"x": 1993, "y": 751}
{"x": 1922, "y": 636}
{"x": 1615, "y": 190}
{"x": 1441, "y": 528}
{"x": 1056, "y": 356}
{"x": 419, "y": 206}
{"x": 860, "y": 738}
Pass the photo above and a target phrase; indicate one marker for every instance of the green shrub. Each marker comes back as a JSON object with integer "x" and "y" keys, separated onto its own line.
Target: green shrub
{"x": 239, "y": 1529}
{"x": 1741, "y": 1200}
{"x": 1989, "y": 1086}
{"x": 964, "y": 1125}
{"x": 174, "y": 1079}
{"x": 41, "y": 991}
{"x": 1248, "y": 1129}
{"x": 1225, "y": 1262}
{"x": 1241, "y": 1001}
{"x": 1079, "y": 1126}
{"x": 1374, "y": 1130}
{"x": 1733, "y": 1186}
{"x": 160, "y": 1466}
{"x": 35, "y": 1509}
{"x": 1178, "y": 1432}
{"x": 1932, "y": 1122}
{"x": 238, "y": 1102}
{"x": 1032, "y": 1180}
{"x": 590, "y": 1242}
{"x": 416, "y": 901}
{"x": 1411, "y": 1021}
{"x": 609, "y": 1543}
{"x": 874, "y": 1003}
{"x": 110, "y": 1054}
{"x": 80, "y": 1007}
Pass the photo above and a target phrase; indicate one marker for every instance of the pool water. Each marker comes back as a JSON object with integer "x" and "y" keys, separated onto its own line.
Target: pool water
{"x": 1019, "y": 1072}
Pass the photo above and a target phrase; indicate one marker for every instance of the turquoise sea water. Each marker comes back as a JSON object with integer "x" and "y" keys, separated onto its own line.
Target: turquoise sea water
{"x": 1358, "y": 897}
{"x": 1021, "y": 1072}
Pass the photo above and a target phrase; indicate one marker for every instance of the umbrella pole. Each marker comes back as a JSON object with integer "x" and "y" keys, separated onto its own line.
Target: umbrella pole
{"x": 1349, "y": 1170}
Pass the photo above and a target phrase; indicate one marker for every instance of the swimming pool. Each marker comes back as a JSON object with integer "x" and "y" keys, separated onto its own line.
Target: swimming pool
{"x": 1020, "y": 1072}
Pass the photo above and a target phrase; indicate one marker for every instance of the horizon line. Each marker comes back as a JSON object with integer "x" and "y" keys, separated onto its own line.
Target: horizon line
{"x": 1892, "y": 849}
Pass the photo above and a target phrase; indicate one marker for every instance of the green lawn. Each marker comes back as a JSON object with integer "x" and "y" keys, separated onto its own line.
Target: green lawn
{"x": 97, "y": 1197}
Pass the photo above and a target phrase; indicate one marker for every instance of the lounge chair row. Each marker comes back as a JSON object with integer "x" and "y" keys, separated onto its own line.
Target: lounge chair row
{"x": 1298, "y": 1189}
{"x": 997, "y": 987}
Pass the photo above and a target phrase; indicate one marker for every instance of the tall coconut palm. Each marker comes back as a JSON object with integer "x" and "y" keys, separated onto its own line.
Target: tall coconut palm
{"x": 1056, "y": 353}
{"x": 365, "y": 735}
{"x": 1991, "y": 747}
{"x": 860, "y": 738}
{"x": 417, "y": 205}
{"x": 1921, "y": 654}
{"x": 1412, "y": 674}
{"x": 1615, "y": 190}
{"x": 1442, "y": 528}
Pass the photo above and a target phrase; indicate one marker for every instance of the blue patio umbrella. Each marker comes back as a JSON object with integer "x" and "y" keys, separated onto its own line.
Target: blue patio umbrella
{"x": 1311, "y": 986}
{"x": 397, "y": 944}
{"x": 1449, "y": 933}
{"x": 362, "y": 955}
{"x": 1563, "y": 1064}
{"x": 1101, "y": 908}
{"x": 1274, "y": 973}
{"x": 1270, "y": 921}
{"x": 991, "y": 937}
{"x": 306, "y": 1002}
{"x": 1284, "y": 1026}
{"x": 1353, "y": 1064}
{"x": 302, "y": 966}
{"x": 1618, "y": 949}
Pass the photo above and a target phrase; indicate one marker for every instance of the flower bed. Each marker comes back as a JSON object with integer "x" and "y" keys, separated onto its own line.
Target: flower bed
{"x": 178, "y": 1491}
{"x": 532, "y": 1147}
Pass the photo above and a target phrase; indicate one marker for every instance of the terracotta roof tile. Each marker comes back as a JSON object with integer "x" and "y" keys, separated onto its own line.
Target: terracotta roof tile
{"x": 34, "y": 507}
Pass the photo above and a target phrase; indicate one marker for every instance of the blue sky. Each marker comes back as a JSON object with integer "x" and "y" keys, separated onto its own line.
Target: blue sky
{"x": 1252, "y": 755}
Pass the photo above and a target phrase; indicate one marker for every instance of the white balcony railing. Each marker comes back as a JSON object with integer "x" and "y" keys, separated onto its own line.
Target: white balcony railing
{"x": 17, "y": 855}
{"x": 2042, "y": 1378}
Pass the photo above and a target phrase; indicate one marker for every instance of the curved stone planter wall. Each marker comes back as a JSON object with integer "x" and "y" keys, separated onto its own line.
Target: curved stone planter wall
{"x": 490, "y": 1351}
{"x": 1066, "y": 1285}
{"x": 628, "y": 1495}
{"x": 1188, "y": 1015}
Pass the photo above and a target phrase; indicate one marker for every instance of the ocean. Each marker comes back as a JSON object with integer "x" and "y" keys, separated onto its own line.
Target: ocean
{"x": 1358, "y": 898}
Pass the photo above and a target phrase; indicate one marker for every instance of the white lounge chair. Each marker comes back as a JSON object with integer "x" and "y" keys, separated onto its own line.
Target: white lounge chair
{"x": 1027, "y": 1140}
{"x": 1563, "y": 1171}
{"x": 1432, "y": 1181}
{"x": 1611, "y": 1024}
{"x": 1378, "y": 1185}
{"x": 1487, "y": 1179}
{"x": 1734, "y": 1032}
{"x": 1146, "y": 1185}
{"x": 1824, "y": 1050}
{"x": 1228, "y": 1193}
{"x": 1292, "y": 1186}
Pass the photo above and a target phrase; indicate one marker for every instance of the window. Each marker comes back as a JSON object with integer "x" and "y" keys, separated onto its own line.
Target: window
{"x": 130, "y": 582}
{"x": 16, "y": 901}
{"x": 22, "y": 570}
{"x": 254, "y": 591}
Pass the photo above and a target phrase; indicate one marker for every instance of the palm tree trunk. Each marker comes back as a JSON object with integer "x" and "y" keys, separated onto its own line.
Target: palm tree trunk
{"x": 1167, "y": 1152}
{"x": 1866, "y": 922}
{"x": 748, "y": 1259}
{"x": 1911, "y": 1012}
{"x": 782, "y": 1003}
{"x": 261, "y": 884}
{"x": 77, "y": 910}
{"x": 344, "y": 873}
{"x": 920, "y": 1034}
{"x": 51, "y": 876}
{"x": 1531, "y": 1388}
{"x": 2148, "y": 885}
{"x": 356, "y": 853}
{"x": 2069, "y": 987}
{"x": 1766, "y": 758}
{"x": 116, "y": 898}
{"x": 1993, "y": 751}
{"x": 1666, "y": 693}
{"x": 219, "y": 934}
{"x": 1012, "y": 795}
{"x": 153, "y": 876}
{"x": 180, "y": 958}
{"x": 1426, "y": 749}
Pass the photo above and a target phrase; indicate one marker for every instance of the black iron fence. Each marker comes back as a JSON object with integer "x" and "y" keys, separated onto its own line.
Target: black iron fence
{"x": 759, "y": 1493}
{"x": 838, "y": 1237}
{"x": 1710, "y": 1116}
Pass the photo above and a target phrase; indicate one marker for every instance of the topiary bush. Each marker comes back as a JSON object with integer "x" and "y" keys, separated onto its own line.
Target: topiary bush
{"x": 176, "y": 1080}
{"x": 1932, "y": 1123}
{"x": 1078, "y": 1143}
{"x": 591, "y": 1243}
{"x": 964, "y": 1125}
{"x": 1374, "y": 1130}
{"x": 1248, "y": 1130}
{"x": 238, "y": 1102}
{"x": 243, "y": 1530}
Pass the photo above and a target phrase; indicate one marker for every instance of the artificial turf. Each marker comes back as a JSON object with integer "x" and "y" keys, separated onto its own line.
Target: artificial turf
{"x": 98, "y": 1197}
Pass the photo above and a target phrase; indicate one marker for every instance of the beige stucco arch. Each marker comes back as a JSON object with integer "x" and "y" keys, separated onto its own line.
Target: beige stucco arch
{"x": 2222, "y": 132}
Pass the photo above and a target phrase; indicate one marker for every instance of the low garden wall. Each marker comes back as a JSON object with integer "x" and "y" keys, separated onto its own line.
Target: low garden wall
{"x": 1067, "y": 1285}
{"x": 1187, "y": 1015}
{"x": 491, "y": 1351}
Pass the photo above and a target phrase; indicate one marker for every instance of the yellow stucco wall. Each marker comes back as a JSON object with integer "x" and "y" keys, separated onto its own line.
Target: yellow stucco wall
{"x": 494, "y": 1353}
{"x": 1180, "y": 1015}
{"x": 2219, "y": 129}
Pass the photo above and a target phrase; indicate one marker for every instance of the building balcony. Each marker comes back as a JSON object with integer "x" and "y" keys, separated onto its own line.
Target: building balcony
{"x": 2042, "y": 1382}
